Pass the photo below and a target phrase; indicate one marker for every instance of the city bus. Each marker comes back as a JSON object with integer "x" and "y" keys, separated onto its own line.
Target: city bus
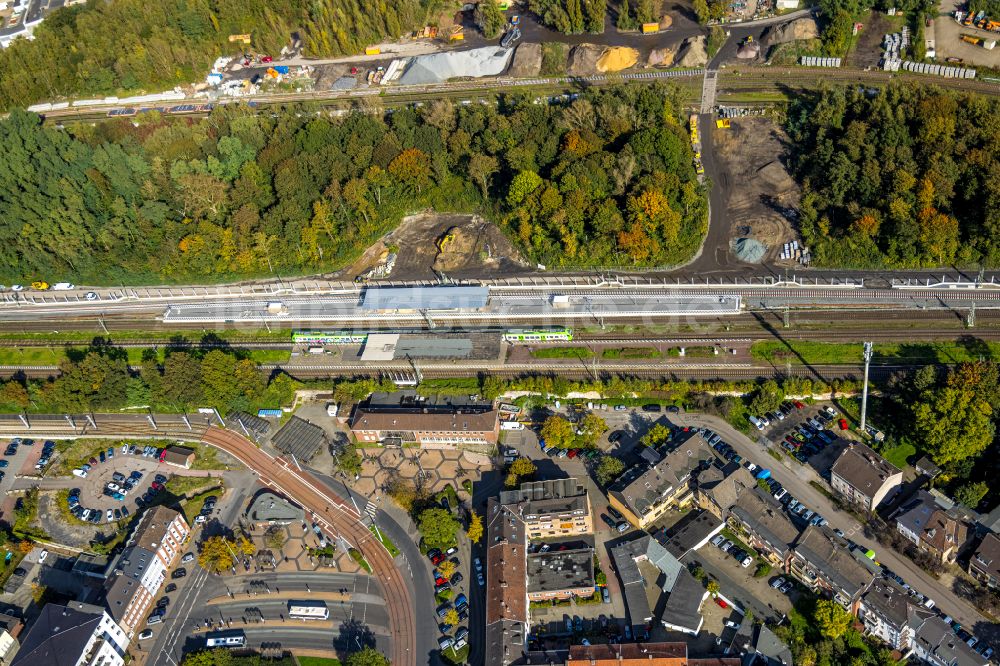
{"x": 233, "y": 638}
{"x": 308, "y": 610}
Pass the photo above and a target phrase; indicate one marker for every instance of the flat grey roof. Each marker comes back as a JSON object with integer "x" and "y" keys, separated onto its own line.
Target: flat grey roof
{"x": 269, "y": 507}
{"x": 423, "y": 347}
{"x": 560, "y": 570}
{"x": 425, "y": 298}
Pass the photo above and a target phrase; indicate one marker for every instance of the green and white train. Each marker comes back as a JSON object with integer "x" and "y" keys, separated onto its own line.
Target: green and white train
{"x": 328, "y": 338}
{"x": 539, "y": 335}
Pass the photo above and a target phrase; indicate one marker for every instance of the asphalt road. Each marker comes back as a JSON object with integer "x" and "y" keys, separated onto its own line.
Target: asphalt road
{"x": 416, "y": 567}
{"x": 167, "y": 647}
{"x": 796, "y": 479}
{"x": 336, "y": 516}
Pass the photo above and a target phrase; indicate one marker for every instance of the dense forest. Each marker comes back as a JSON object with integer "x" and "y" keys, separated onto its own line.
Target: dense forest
{"x": 905, "y": 177}
{"x": 156, "y": 46}
{"x": 604, "y": 179}
{"x": 98, "y": 378}
{"x": 571, "y": 16}
{"x": 633, "y": 13}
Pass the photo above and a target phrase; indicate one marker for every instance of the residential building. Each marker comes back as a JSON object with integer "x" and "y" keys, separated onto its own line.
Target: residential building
{"x": 552, "y": 508}
{"x": 625, "y": 654}
{"x": 640, "y": 654}
{"x": 931, "y": 528}
{"x": 10, "y": 630}
{"x": 821, "y": 561}
{"x": 506, "y": 585}
{"x": 690, "y": 533}
{"x": 76, "y": 634}
{"x": 937, "y": 644}
{"x": 863, "y": 477}
{"x": 150, "y": 552}
{"x": 760, "y": 647}
{"x": 178, "y": 456}
{"x": 890, "y": 614}
{"x": 432, "y": 423}
{"x": 985, "y": 562}
{"x": 645, "y": 492}
{"x": 682, "y": 611}
{"x": 765, "y": 525}
{"x": 561, "y": 574}
{"x": 721, "y": 486}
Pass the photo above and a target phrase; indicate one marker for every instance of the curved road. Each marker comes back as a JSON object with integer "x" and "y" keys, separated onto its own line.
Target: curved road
{"x": 285, "y": 477}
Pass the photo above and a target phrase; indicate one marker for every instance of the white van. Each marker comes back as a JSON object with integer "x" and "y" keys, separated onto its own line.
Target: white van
{"x": 331, "y": 409}
{"x": 63, "y": 286}
{"x": 511, "y": 425}
{"x": 756, "y": 422}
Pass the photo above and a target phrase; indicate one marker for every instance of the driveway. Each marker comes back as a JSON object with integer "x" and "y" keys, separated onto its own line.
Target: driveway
{"x": 795, "y": 478}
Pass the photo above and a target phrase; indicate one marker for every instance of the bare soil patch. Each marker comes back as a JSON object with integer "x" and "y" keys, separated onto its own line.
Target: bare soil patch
{"x": 760, "y": 190}
{"x": 477, "y": 249}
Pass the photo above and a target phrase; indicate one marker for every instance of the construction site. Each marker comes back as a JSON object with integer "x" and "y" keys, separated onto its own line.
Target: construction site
{"x": 433, "y": 246}
{"x": 762, "y": 196}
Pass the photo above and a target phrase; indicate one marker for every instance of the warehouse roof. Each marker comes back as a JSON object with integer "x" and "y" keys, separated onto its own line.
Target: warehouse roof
{"x": 425, "y": 298}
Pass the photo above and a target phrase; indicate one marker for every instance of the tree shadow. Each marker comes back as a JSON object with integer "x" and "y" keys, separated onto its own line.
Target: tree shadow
{"x": 353, "y": 635}
{"x": 101, "y": 346}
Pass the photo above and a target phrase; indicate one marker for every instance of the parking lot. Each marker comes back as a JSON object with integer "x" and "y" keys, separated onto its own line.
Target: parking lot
{"x": 118, "y": 482}
{"x": 807, "y": 434}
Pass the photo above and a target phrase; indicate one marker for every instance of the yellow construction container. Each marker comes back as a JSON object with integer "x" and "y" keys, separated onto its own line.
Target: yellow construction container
{"x": 648, "y": 28}
{"x": 723, "y": 123}
{"x": 373, "y": 50}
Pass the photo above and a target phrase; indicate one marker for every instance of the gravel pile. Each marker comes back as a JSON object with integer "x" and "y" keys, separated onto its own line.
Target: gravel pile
{"x": 749, "y": 250}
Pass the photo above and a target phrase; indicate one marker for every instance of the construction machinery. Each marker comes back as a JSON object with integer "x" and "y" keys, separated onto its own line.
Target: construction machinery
{"x": 446, "y": 238}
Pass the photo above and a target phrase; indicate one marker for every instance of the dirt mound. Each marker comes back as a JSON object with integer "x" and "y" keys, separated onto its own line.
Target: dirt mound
{"x": 660, "y": 57}
{"x": 748, "y": 50}
{"x": 476, "y": 248}
{"x": 527, "y": 61}
{"x": 775, "y": 176}
{"x": 693, "y": 53}
{"x": 803, "y": 28}
{"x": 617, "y": 58}
{"x": 666, "y": 22}
{"x": 583, "y": 59}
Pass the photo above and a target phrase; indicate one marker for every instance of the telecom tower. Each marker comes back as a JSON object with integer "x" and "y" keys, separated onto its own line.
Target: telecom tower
{"x": 864, "y": 392}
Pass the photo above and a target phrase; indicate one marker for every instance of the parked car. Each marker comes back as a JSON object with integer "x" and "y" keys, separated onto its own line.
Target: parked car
{"x": 605, "y": 595}
{"x": 777, "y": 582}
{"x": 480, "y": 579}
{"x": 478, "y": 564}
{"x": 179, "y": 573}
{"x": 145, "y": 633}
{"x": 188, "y": 557}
